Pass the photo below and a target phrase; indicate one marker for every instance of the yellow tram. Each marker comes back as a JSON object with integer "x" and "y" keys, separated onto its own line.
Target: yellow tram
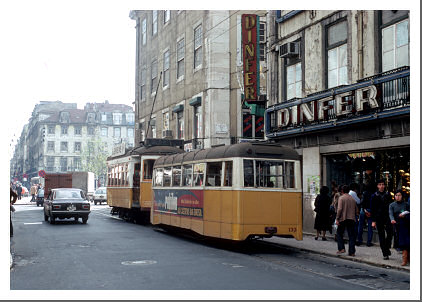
{"x": 129, "y": 179}
{"x": 236, "y": 192}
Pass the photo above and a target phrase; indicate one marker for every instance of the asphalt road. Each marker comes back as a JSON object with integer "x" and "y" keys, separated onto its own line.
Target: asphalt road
{"x": 110, "y": 254}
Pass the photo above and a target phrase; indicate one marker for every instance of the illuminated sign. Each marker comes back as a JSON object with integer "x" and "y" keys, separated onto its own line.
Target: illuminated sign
{"x": 250, "y": 51}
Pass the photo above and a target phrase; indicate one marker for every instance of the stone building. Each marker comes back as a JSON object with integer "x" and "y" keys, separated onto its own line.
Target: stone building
{"x": 59, "y": 136}
{"x": 188, "y": 77}
{"x": 338, "y": 92}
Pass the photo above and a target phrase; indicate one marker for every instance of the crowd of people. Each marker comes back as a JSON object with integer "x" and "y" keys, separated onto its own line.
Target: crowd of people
{"x": 374, "y": 208}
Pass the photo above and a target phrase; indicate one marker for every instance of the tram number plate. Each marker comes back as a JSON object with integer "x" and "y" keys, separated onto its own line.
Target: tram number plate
{"x": 292, "y": 229}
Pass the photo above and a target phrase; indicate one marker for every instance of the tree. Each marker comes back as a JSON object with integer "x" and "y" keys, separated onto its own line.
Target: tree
{"x": 94, "y": 158}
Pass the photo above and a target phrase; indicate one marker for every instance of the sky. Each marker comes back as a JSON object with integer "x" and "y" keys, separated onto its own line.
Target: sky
{"x": 84, "y": 51}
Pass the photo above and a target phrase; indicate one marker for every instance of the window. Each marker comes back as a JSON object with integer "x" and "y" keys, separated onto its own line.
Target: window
{"x": 78, "y": 130}
{"x": 104, "y": 131}
{"x": 166, "y": 68}
{"x": 167, "y": 177}
{"x": 158, "y": 181}
{"x": 198, "y": 174}
{"x": 153, "y": 75}
{"x": 395, "y": 46}
{"x": 91, "y": 130}
{"x": 130, "y": 132}
{"x": 337, "y": 54}
{"x": 180, "y": 59}
{"x": 187, "y": 175}
{"x": 166, "y": 121}
{"x": 64, "y": 130}
{"x": 104, "y": 117}
{"x": 197, "y": 121}
{"x": 214, "y": 171}
{"x": 154, "y": 22}
{"x": 262, "y": 41}
{"x": 63, "y": 164}
{"x": 91, "y": 117}
{"x": 77, "y": 163}
{"x": 63, "y": 146}
{"x": 289, "y": 178}
{"x": 153, "y": 128}
{"x": 177, "y": 176}
{"x": 50, "y": 162}
{"x": 130, "y": 118}
{"x": 269, "y": 174}
{"x": 197, "y": 60}
{"x": 248, "y": 173}
{"x": 148, "y": 165}
{"x": 51, "y": 129}
{"x": 116, "y": 132}
{"x": 294, "y": 81}
{"x": 228, "y": 174}
{"x": 77, "y": 146}
{"x": 117, "y": 118}
{"x": 50, "y": 146}
{"x": 144, "y": 31}
{"x": 143, "y": 84}
{"x": 180, "y": 125}
{"x": 166, "y": 16}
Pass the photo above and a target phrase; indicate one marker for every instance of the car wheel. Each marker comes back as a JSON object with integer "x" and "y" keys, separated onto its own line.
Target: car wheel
{"x": 76, "y": 218}
{"x": 95, "y": 202}
{"x": 84, "y": 220}
{"x": 52, "y": 219}
{"x": 45, "y": 217}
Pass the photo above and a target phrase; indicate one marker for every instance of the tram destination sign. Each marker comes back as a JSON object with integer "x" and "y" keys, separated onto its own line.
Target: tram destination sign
{"x": 377, "y": 97}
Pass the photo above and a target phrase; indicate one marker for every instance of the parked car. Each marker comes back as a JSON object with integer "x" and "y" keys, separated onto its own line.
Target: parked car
{"x": 100, "y": 195}
{"x": 40, "y": 197}
{"x": 66, "y": 203}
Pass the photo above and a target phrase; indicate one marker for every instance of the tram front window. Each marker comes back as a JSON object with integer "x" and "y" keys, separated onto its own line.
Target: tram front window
{"x": 167, "y": 177}
{"x": 198, "y": 174}
{"x": 159, "y": 177}
{"x": 248, "y": 173}
{"x": 290, "y": 174}
{"x": 177, "y": 175}
{"x": 187, "y": 175}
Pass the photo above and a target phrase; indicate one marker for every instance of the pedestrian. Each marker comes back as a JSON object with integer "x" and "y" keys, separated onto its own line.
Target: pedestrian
{"x": 353, "y": 192}
{"x": 380, "y": 203}
{"x": 33, "y": 192}
{"x": 19, "y": 191}
{"x": 333, "y": 209}
{"x": 400, "y": 219}
{"x": 365, "y": 219}
{"x": 347, "y": 210}
{"x": 13, "y": 197}
{"x": 322, "y": 209}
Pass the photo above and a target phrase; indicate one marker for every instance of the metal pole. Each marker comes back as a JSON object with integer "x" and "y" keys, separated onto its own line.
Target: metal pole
{"x": 152, "y": 108}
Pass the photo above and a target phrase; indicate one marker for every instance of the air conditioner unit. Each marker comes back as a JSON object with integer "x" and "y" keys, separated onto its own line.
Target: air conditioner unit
{"x": 289, "y": 50}
{"x": 167, "y": 134}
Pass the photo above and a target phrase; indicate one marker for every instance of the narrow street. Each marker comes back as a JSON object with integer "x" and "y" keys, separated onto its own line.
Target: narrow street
{"x": 110, "y": 254}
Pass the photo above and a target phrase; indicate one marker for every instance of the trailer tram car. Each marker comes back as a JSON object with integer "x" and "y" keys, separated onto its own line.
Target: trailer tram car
{"x": 129, "y": 179}
{"x": 236, "y": 192}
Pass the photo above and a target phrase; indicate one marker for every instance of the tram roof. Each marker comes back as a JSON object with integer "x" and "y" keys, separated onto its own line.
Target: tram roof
{"x": 245, "y": 149}
{"x": 150, "y": 150}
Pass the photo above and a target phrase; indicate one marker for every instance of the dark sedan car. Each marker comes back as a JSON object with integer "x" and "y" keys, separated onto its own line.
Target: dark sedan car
{"x": 66, "y": 203}
{"x": 40, "y": 197}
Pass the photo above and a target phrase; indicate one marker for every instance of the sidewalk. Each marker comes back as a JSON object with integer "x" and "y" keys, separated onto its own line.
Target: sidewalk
{"x": 370, "y": 255}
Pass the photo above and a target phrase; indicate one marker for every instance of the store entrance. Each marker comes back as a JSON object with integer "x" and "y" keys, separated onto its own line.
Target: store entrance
{"x": 366, "y": 167}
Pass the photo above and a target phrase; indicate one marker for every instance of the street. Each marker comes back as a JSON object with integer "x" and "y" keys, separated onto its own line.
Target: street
{"x": 110, "y": 254}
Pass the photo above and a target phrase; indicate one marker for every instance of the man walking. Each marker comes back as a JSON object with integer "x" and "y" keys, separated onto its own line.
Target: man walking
{"x": 365, "y": 217}
{"x": 33, "y": 192}
{"x": 347, "y": 210}
{"x": 380, "y": 203}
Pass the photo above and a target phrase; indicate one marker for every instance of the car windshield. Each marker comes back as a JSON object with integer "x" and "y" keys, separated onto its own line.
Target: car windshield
{"x": 100, "y": 192}
{"x": 69, "y": 194}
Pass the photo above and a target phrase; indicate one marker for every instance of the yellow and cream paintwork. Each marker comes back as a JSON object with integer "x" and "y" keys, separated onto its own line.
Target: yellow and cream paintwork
{"x": 237, "y": 212}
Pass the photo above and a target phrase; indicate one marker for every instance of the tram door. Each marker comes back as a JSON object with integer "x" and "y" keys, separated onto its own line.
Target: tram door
{"x": 136, "y": 184}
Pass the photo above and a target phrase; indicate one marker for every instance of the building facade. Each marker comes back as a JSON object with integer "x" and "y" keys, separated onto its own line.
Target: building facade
{"x": 189, "y": 78}
{"x": 338, "y": 91}
{"x": 59, "y": 137}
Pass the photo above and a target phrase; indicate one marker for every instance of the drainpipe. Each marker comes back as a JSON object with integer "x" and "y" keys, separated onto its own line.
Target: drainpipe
{"x": 360, "y": 43}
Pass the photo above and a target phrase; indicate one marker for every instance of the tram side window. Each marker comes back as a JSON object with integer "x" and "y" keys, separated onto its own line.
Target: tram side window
{"x": 167, "y": 177}
{"x": 198, "y": 174}
{"x": 228, "y": 174}
{"x": 248, "y": 173}
{"x": 290, "y": 174}
{"x": 136, "y": 176}
{"x": 148, "y": 165}
{"x": 159, "y": 177}
{"x": 177, "y": 176}
{"x": 214, "y": 171}
{"x": 269, "y": 174}
{"x": 187, "y": 175}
